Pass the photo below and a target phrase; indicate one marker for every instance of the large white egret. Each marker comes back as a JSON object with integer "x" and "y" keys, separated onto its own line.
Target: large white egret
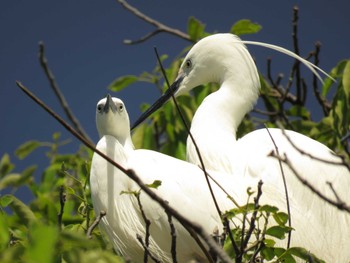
{"x": 224, "y": 59}
{"x": 183, "y": 185}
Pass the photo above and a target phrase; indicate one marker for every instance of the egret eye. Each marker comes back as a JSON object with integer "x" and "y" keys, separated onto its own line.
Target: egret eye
{"x": 188, "y": 63}
{"x": 99, "y": 107}
{"x": 120, "y": 107}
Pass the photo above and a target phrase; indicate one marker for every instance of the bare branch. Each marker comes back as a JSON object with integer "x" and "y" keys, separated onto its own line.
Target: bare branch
{"x": 142, "y": 39}
{"x": 148, "y": 223}
{"x": 326, "y": 106}
{"x": 173, "y": 238}
{"x": 194, "y": 227}
{"x": 285, "y": 188}
{"x": 296, "y": 66}
{"x": 58, "y": 93}
{"x": 160, "y": 27}
{"x": 95, "y": 224}
{"x": 301, "y": 151}
{"x": 340, "y": 205}
{"x": 147, "y": 252}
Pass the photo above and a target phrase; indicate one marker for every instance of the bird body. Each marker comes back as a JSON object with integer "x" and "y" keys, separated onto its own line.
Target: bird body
{"x": 183, "y": 186}
{"x": 223, "y": 58}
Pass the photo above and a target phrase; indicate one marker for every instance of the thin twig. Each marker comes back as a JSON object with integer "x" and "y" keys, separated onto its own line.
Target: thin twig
{"x": 95, "y": 224}
{"x": 269, "y": 75}
{"x": 62, "y": 202}
{"x": 301, "y": 151}
{"x": 146, "y": 248}
{"x": 285, "y": 188}
{"x": 173, "y": 238}
{"x": 326, "y": 107}
{"x": 296, "y": 66}
{"x": 58, "y": 93}
{"x": 148, "y": 223}
{"x": 160, "y": 27}
{"x": 194, "y": 227}
{"x": 334, "y": 192}
{"x": 254, "y": 215}
{"x": 340, "y": 205}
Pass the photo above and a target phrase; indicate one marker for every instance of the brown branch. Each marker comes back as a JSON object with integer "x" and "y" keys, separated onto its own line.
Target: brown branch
{"x": 148, "y": 223}
{"x": 173, "y": 238}
{"x": 147, "y": 252}
{"x": 325, "y": 105}
{"x": 254, "y": 216}
{"x": 194, "y": 227}
{"x": 285, "y": 188}
{"x": 160, "y": 27}
{"x": 340, "y": 205}
{"x": 58, "y": 93}
{"x": 296, "y": 66}
{"x": 95, "y": 224}
{"x": 301, "y": 151}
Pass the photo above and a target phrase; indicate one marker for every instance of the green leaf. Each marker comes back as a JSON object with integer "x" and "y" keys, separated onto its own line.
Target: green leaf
{"x": 10, "y": 180}
{"x": 6, "y": 200}
{"x": 5, "y": 234}
{"x": 268, "y": 253}
{"x": 42, "y": 244}
{"x": 277, "y": 231}
{"x": 16, "y": 179}
{"x": 303, "y": 254}
{"x": 5, "y": 165}
{"x": 155, "y": 184}
{"x": 269, "y": 242}
{"x": 269, "y": 209}
{"x": 335, "y": 73}
{"x": 281, "y": 218}
{"x": 26, "y": 148}
{"x": 245, "y": 26}
{"x": 346, "y": 80}
{"x": 122, "y": 82}
{"x": 195, "y": 28}
{"x": 25, "y": 215}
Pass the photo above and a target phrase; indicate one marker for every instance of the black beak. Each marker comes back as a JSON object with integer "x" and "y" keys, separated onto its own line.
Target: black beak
{"x": 109, "y": 104}
{"x": 159, "y": 103}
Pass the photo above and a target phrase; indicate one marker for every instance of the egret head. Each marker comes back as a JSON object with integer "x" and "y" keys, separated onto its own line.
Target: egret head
{"x": 112, "y": 118}
{"x": 215, "y": 58}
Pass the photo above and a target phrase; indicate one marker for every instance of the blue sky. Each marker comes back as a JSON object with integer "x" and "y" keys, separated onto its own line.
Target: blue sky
{"x": 85, "y": 51}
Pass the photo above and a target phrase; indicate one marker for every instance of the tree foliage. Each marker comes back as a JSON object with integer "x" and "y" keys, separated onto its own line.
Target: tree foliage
{"x": 53, "y": 226}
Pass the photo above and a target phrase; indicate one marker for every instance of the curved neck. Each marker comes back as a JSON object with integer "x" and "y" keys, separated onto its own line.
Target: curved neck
{"x": 222, "y": 111}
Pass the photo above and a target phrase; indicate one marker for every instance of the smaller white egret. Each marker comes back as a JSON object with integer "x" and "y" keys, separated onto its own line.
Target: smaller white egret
{"x": 183, "y": 185}
{"x": 223, "y": 58}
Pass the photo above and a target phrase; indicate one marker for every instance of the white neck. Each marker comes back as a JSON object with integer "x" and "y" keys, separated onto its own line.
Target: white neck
{"x": 223, "y": 110}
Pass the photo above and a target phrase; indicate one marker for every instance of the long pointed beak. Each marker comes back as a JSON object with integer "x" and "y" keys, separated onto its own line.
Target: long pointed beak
{"x": 109, "y": 104}
{"x": 159, "y": 103}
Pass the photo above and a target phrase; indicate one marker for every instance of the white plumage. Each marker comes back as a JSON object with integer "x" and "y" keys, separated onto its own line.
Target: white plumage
{"x": 223, "y": 58}
{"x": 183, "y": 185}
